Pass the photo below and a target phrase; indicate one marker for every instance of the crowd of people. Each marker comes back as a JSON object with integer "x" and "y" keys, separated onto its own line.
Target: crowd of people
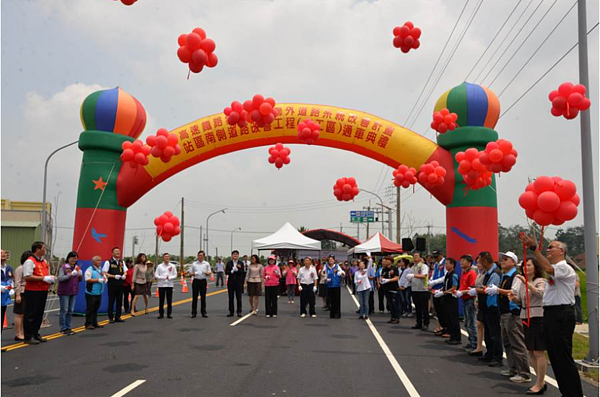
{"x": 520, "y": 309}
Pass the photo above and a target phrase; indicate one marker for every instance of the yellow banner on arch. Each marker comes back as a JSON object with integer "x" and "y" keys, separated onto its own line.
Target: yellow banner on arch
{"x": 342, "y": 128}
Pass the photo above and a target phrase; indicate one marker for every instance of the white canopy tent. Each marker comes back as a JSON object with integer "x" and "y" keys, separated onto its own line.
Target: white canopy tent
{"x": 288, "y": 237}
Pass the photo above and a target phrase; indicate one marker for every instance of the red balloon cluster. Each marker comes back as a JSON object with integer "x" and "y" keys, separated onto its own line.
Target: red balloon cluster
{"x": 345, "y": 189}
{"x": 404, "y": 176}
{"x": 127, "y": 2}
{"x": 569, "y": 100}
{"x": 279, "y": 155}
{"x": 196, "y": 50}
{"x": 164, "y": 145}
{"x": 431, "y": 174}
{"x": 135, "y": 153}
{"x": 475, "y": 174}
{"x": 499, "y": 156}
{"x": 550, "y": 200}
{"x": 444, "y": 121}
{"x": 167, "y": 226}
{"x": 235, "y": 114}
{"x": 406, "y": 37}
{"x": 260, "y": 111}
{"x": 308, "y": 131}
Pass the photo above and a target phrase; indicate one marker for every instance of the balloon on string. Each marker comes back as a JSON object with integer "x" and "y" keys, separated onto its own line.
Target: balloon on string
{"x": 550, "y": 200}
{"x": 569, "y": 100}
{"x": 279, "y": 155}
{"x": 308, "y": 131}
{"x": 167, "y": 226}
{"x": 135, "y": 153}
{"x": 406, "y": 37}
{"x": 236, "y": 114}
{"x": 197, "y": 50}
{"x": 431, "y": 174}
{"x": 164, "y": 145}
{"x": 345, "y": 189}
{"x": 444, "y": 121}
{"x": 404, "y": 176}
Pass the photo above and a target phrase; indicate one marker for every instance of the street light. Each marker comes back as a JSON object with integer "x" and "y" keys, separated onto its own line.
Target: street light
{"x": 374, "y": 194}
{"x": 214, "y": 213}
{"x": 235, "y": 230}
{"x": 43, "y": 237}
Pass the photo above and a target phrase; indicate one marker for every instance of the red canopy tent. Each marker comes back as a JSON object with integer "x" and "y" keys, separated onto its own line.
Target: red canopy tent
{"x": 377, "y": 244}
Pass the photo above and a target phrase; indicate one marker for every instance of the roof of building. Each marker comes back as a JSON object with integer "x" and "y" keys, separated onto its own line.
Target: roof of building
{"x": 20, "y": 224}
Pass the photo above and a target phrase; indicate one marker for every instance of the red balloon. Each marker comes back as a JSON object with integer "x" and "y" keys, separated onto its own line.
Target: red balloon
{"x": 575, "y": 199}
{"x": 398, "y": 41}
{"x": 565, "y": 189}
{"x": 543, "y": 218}
{"x": 257, "y": 100}
{"x": 548, "y": 201}
{"x": 168, "y": 227}
{"x": 169, "y": 151}
{"x": 566, "y": 211}
{"x": 265, "y": 108}
{"x": 199, "y": 57}
{"x": 172, "y": 139}
{"x": 212, "y": 60}
{"x": 166, "y": 237}
{"x": 200, "y": 32}
{"x": 565, "y": 89}
{"x": 347, "y": 188}
{"x": 181, "y": 40}
{"x": 543, "y": 184}
{"x": 161, "y": 142}
{"x": 556, "y": 112}
{"x": 127, "y": 155}
{"x": 559, "y": 102}
{"x": 184, "y": 54}
{"x": 193, "y": 41}
{"x": 208, "y": 45}
{"x": 195, "y": 68}
{"x": 139, "y": 158}
{"x": 575, "y": 99}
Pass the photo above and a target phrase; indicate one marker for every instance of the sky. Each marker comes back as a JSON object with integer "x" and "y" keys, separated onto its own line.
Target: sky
{"x": 339, "y": 53}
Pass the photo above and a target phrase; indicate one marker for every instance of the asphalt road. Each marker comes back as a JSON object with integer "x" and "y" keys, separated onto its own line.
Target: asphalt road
{"x": 283, "y": 356}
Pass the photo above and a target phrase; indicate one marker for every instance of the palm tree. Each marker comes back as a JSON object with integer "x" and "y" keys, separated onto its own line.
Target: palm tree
{"x": 302, "y": 229}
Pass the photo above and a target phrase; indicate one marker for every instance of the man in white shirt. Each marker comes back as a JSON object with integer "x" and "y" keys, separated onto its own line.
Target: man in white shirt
{"x": 199, "y": 271}
{"x": 559, "y": 313}
{"x": 307, "y": 285}
{"x": 115, "y": 271}
{"x": 165, "y": 274}
{"x": 420, "y": 295}
{"x": 220, "y": 272}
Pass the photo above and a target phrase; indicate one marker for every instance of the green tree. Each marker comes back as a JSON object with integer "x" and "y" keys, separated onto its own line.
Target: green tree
{"x": 573, "y": 236}
{"x": 302, "y": 229}
{"x": 508, "y": 239}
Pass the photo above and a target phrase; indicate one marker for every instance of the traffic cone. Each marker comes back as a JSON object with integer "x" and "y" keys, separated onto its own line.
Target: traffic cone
{"x": 5, "y": 324}
{"x": 184, "y": 289}
{"x": 181, "y": 280}
{"x": 157, "y": 292}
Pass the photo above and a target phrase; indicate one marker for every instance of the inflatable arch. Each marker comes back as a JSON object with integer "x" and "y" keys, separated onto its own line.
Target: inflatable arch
{"x": 110, "y": 117}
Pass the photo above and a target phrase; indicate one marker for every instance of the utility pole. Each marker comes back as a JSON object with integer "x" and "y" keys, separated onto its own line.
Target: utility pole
{"x": 181, "y": 239}
{"x": 398, "y": 239}
{"x": 368, "y": 209}
{"x": 201, "y": 242}
{"x": 589, "y": 210}
{"x": 341, "y": 230}
{"x": 358, "y": 231}
{"x": 390, "y": 223}
{"x": 135, "y": 241}
{"x": 389, "y": 220}
{"x": 156, "y": 252}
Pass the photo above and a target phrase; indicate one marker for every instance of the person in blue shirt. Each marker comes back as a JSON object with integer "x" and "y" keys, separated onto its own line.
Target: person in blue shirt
{"x": 6, "y": 284}
{"x": 335, "y": 274}
{"x": 436, "y": 283}
{"x": 491, "y": 311}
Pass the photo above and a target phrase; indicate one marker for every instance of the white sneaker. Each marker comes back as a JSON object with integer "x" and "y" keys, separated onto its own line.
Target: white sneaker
{"x": 303, "y": 315}
{"x": 274, "y": 315}
{"x": 268, "y": 316}
{"x": 520, "y": 379}
{"x": 508, "y": 372}
{"x": 254, "y": 312}
{"x": 314, "y": 315}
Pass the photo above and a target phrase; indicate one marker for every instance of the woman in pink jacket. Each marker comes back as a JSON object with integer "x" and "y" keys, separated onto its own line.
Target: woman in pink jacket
{"x": 291, "y": 273}
{"x": 272, "y": 276}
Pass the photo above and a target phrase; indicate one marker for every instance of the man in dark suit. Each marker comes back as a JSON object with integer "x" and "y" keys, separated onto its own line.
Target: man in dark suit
{"x": 235, "y": 282}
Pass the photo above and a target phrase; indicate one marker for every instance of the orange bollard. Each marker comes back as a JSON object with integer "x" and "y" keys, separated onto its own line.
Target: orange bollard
{"x": 157, "y": 292}
{"x": 5, "y": 324}
{"x": 184, "y": 289}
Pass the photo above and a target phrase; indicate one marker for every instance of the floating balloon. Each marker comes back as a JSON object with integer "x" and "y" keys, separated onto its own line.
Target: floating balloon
{"x": 260, "y": 111}
{"x": 444, "y": 121}
{"x": 404, "y": 176}
{"x": 197, "y": 50}
{"x": 113, "y": 111}
{"x": 569, "y": 100}
{"x": 431, "y": 175}
{"x": 406, "y": 37}
{"x": 135, "y": 153}
{"x": 499, "y": 156}
{"x": 550, "y": 201}
{"x": 127, "y": 2}
{"x": 279, "y": 155}
{"x": 475, "y": 105}
{"x": 167, "y": 226}
{"x": 164, "y": 145}
{"x": 308, "y": 131}
{"x": 236, "y": 115}
{"x": 345, "y": 189}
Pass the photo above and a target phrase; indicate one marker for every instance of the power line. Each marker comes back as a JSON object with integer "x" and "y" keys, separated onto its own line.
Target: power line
{"x": 506, "y": 38}
{"x": 509, "y": 44}
{"x": 536, "y": 51}
{"x": 448, "y": 61}
{"x": 491, "y": 42}
{"x": 523, "y": 43}
{"x": 544, "y": 75}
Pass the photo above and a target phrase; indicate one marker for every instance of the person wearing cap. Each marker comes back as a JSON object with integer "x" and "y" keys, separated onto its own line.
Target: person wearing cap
{"x": 436, "y": 283}
{"x": 307, "y": 285}
{"x": 115, "y": 271}
{"x": 94, "y": 286}
{"x": 291, "y": 273}
{"x": 559, "y": 313}
{"x": 490, "y": 310}
{"x": 467, "y": 281}
{"x": 69, "y": 277}
{"x": 36, "y": 273}
{"x": 418, "y": 279}
{"x": 389, "y": 281}
{"x": 511, "y": 327}
{"x": 199, "y": 271}
{"x": 335, "y": 274}
{"x": 272, "y": 276}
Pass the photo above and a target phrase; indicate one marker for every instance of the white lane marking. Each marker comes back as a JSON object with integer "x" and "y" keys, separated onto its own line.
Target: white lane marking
{"x": 128, "y": 388}
{"x": 388, "y": 353}
{"x": 240, "y": 320}
{"x": 531, "y": 369}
